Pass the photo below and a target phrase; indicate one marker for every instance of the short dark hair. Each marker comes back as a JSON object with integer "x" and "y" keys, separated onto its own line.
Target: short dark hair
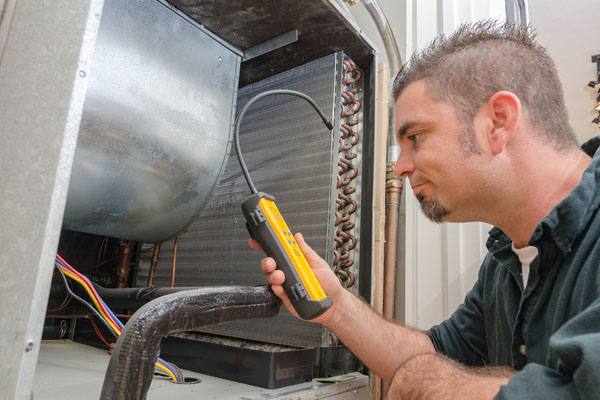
{"x": 480, "y": 59}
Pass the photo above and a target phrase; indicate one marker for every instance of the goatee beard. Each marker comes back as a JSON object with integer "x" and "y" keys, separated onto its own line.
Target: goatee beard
{"x": 432, "y": 209}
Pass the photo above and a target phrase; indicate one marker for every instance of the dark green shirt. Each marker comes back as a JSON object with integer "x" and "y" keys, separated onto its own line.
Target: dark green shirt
{"x": 549, "y": 331}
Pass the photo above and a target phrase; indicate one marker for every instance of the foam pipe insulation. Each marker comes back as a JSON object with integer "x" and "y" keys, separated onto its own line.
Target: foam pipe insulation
{"x": 131, "y": 365}
{"x": 134, "y": 298}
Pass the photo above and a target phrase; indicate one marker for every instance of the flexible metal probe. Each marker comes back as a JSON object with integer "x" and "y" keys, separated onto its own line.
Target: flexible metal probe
{"x": 266, "y": 225}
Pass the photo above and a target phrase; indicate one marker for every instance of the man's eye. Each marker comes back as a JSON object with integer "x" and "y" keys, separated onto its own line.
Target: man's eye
{"x": 414, "y": 137}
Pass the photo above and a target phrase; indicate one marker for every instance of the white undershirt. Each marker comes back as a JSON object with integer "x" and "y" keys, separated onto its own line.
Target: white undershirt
{"x": 526, "y": 256}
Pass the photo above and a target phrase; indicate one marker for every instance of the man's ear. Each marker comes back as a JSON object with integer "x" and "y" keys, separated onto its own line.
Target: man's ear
{"x": 503, "y": 111}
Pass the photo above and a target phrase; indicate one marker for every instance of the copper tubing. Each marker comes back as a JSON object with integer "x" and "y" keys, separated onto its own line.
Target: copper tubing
{"x": 153, "y": 264}
{"x": 174, "y": 260}
{"x": 124, "y": 265}
{"x": 345, "y": 241}
{"x": 101, "y": 252}
{"x": 393, "y": 195}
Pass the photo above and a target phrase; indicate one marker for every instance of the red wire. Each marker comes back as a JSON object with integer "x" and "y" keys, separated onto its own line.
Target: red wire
{"x": 98, "y": 333}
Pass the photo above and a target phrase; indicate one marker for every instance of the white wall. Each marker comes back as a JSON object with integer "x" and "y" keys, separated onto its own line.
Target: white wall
{"x": 571, "y": 33}
{"x": 440, "y": 262}
{"x": 395, "y": 11}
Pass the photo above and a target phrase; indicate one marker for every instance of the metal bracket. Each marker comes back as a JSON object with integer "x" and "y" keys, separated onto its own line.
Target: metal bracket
{"x": 272, "y": 44}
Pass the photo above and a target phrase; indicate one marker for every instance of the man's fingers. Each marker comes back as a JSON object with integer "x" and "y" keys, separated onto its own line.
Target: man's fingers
{"x": 267, "y": 265}
{"x": 276, "y": 278}
{"x": 279, "y": 292}
{"x": 309, "y": 253}
{"x": 255, "y": 245}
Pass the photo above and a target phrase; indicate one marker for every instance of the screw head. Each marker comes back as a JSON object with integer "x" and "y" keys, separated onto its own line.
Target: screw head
{"x": 82, "y": 73}
{"x": 29, "y": 346}
{"x": 220, "y": 59}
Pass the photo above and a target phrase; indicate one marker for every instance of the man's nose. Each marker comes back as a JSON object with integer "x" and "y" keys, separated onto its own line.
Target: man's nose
{"x": 404, "y": 165}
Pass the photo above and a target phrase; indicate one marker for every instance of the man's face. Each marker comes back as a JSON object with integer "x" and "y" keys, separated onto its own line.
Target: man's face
{"x": 444, "y": 178}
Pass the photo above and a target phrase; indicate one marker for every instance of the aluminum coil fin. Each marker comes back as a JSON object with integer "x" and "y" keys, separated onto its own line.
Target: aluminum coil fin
{"x": 291, "y": 155}
{"x": 156, "y": 124}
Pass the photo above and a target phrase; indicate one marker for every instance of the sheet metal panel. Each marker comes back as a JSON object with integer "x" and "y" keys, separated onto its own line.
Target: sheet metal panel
{"x": 45, "y": 52}
{"x": 323, "y": 27}
{"x": 156, "y": 124}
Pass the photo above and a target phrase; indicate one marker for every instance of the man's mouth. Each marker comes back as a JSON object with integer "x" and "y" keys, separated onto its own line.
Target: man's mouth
{"x": 416, "y": 188}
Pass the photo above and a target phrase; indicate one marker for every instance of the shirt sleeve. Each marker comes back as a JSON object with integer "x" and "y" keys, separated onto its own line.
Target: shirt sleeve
{"x": 577, "y": 346}
{"x": 462, "y": 336}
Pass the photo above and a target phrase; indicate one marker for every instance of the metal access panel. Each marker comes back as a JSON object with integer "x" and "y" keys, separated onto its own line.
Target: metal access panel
{"x": 291, "y": 155}
{"x": 156, "y": 123}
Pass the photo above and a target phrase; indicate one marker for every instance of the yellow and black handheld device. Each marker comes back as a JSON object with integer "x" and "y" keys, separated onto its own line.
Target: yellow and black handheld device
{"x": 267, "y": 226}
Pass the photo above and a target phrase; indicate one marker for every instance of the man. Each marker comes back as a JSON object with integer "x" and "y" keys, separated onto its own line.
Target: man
{"x": 484, "y": 134}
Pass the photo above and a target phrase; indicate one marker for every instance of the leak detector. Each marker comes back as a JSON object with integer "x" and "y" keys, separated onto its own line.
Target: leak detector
{"x": 267, "y": 226}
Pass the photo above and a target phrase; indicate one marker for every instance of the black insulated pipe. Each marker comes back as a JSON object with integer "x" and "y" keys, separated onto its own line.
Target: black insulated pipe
{"x": 131, "y": 365}
{"x": 134, "y": 298}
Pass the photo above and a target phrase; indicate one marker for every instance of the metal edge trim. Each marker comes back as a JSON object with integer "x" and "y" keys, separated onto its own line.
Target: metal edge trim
{"x": 194, "y": 23}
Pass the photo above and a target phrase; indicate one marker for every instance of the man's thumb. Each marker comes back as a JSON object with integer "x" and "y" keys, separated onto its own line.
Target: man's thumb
{"x": 309, "y": 253}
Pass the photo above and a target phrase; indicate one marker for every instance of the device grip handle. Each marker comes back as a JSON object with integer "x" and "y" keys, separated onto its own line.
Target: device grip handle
{"x": 266, "y": 225}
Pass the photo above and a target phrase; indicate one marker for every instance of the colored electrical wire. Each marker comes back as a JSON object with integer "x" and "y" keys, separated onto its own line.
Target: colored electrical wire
{"x": 71, "y": 273}
{"x": 83, "y": 315}
{"x": 105, "y": 314}
{"x": 82, "y": 301}
{"x": 115, "y": 325}
{"x": 99, "y": 333}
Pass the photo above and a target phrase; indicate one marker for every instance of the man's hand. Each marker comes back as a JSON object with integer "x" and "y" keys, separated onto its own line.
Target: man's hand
{"x": 382, "y": 345}
{"x": 329, "y": 282}
{"x": 434, "y": 376}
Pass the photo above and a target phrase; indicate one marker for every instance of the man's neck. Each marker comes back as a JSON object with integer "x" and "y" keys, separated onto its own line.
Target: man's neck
{"x": 550, "y": 180}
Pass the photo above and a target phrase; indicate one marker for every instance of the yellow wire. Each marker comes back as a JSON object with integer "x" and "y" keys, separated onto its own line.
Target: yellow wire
{"x": 167, "y": 370}
{"x": 87, "y": 289}
{"x": 115, "y": 328}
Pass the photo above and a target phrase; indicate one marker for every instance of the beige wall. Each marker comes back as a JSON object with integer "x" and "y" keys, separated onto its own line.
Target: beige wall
{"x": 570, "y": 30}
